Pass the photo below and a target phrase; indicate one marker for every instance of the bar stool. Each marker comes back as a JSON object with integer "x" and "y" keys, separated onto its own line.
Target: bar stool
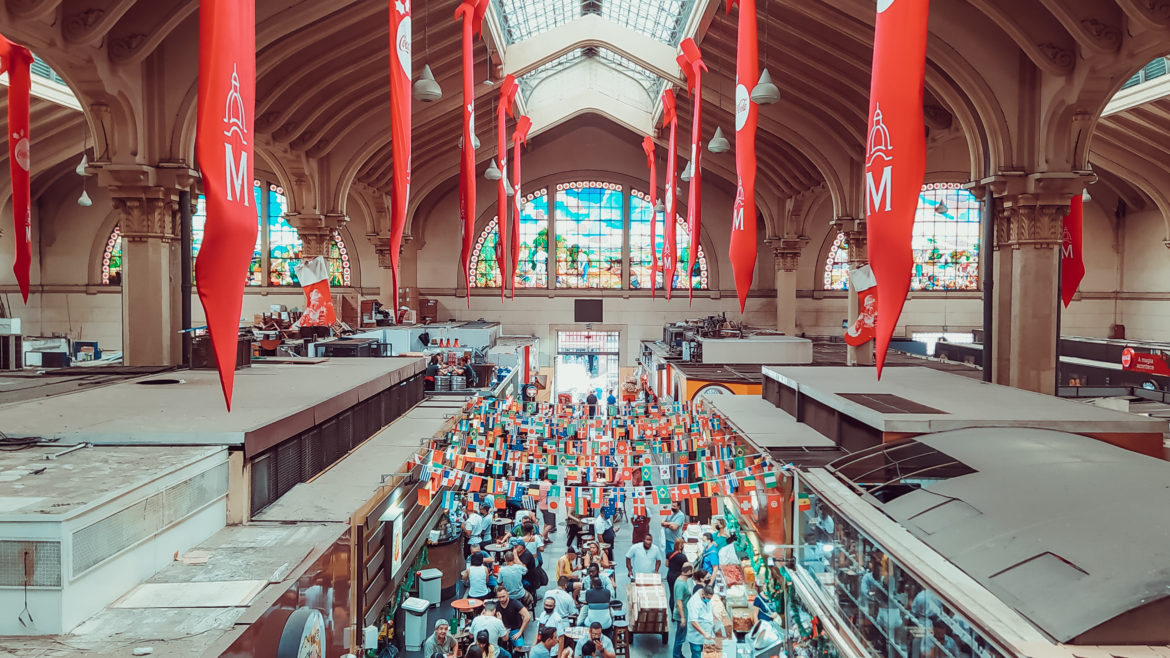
{"x": 621, "y": 638}
{"x": 617, "y": 609}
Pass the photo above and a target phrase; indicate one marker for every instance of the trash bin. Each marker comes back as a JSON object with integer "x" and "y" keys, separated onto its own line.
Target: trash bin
{"x": 430, "y": 586}
{"x": 415, "y": 631}
{"x": 641, "y": 528}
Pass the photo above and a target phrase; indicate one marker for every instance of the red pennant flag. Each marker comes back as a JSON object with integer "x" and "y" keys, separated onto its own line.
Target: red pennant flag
{"x": 400, "y": 120}
{"x": 648, "y": 147}
{"x": 669, "y": 242}
{"x": 519, "y": 136}
{"x": 224, "y": 146}
{"x": 694, "y": 71}
{"x": 507, "y": 95}
{"x": 15, "y": 60}
{"x": 895, "y": 161}
{"x": 747, "y": 116}
{"x": 1072, "y": 255}
{"x": 471, "y": 13}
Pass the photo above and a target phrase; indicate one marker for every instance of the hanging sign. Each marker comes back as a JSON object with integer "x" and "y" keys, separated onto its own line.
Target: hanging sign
{"x": 519, "y": 136}
{"x": 648, "y": 148}
{"x": 747, "y": 115}
{"x": 507, "y": 96}
{"x": 224, "y": 144}
{"x": 895, "y": 159}
{"x": 471, "y": 13}
{"x": 692, "y": 64}
{"x": 669, "y": 241}
{"x": 1072, "y": 255}
{"x": 1150, "y": 363}
{"x": 15, "y": 60}
{"x": 400, "y": 128}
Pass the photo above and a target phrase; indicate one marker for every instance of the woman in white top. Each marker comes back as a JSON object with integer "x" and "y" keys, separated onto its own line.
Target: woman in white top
{"x": 477, "y": 578}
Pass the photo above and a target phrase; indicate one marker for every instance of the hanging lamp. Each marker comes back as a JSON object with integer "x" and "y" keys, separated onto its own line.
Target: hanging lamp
{"x": 661, "y": 207}
{"x": 766, "y": 92}
{"x": 84, "y": 201}
{"x": 493, "y": 171}
{"x": 941, "y": 208}
{"x": 685, "y": 176}
{"x": 81, "y": 166}
{"x": 427, "y": 89}
{"x": 719, "y": 143}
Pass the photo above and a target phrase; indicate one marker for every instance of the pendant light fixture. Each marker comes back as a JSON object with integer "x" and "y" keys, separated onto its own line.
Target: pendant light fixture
{"x": 84, "y": 201}
{"x": 765, "y": 92}
{"x": 685, "y": 176}
{"x": 719, "y": 143}
{"x": 661, "y": 207}
{"x": 493, "y": 171}
{"x": 941, "y": 208}
{"x": 82, "y": 165}
{"x": 82, "y": 170}
{"x": 427, "y": 89}
{"x": 508, "y": 189}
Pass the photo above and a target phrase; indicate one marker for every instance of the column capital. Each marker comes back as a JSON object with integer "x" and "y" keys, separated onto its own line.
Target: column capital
{"x": 1030, "y": 220}
{"x": 147, "y": 213}
{"x": 381, "y": 244}
{"x": 848, "y": 225}
{"x": 787, "y": 252}
{"x": 1049, "y": 186}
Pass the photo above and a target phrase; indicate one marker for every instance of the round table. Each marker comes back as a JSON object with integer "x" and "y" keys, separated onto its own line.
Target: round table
{"x": 467, "y": 607}
{"x": 500, "y": 526}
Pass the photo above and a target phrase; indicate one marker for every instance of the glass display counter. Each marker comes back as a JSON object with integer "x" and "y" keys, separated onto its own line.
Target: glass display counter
{"x": 887, "y": 607}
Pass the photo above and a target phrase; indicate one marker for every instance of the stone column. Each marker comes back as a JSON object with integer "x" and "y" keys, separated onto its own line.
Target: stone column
{"x": 315, "y": 232}
{"x": 151, "y": 291}
{"x": 787, "y": 252}
{"x": 386, "y": 281}
{"x": 855, "y": 238}
{"x": 1030, "y": 230}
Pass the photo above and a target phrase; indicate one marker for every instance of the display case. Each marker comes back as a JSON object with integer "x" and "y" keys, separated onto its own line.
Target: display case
{"x": 887, "y": 607}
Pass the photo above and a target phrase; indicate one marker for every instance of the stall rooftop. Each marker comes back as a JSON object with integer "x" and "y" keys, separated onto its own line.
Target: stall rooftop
{"x": 1068, "y": 531}
{"x": 841, "y": 402}
{"x": 771, "y": 430}
{"x": 271, "y": 402}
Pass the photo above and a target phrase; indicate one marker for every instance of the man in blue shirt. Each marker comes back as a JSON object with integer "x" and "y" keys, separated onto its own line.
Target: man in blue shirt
{"x": 672, "y": 526}
{"x": 710, "y": 553}
{"x": 544, "y": 643}
{"x": 700, "y": 621}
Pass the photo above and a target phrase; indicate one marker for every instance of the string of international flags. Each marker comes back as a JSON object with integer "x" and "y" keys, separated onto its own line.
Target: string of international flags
{"x": 500, "y": 449}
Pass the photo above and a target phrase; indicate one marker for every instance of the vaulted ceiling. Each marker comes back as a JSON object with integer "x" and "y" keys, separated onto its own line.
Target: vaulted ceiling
{"x": 322, "y": 108}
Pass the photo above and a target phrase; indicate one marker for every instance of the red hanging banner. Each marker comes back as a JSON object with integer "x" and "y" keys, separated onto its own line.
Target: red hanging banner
{"x": 692, "y": 64}
{"x": 648, "y": 147}
{"x": 1072, "y": 255}
{"x": 519, "y": 136}
{"x": 471, "y": 13}
{"x": 507, "y": 95}
{"x": 895, "y": 162}
{"x": 400, "y": 122}
{"x": 669, "y": 241}
{"x": 15, "y": 60}
{"x": 224, "y": 145}
{"x": 747, "y": 115}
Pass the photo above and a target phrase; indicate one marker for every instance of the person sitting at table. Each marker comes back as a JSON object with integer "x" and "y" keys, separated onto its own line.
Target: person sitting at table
{"x": 546, "y": 639}
{"x": 533, "y": 542}
{"x": 476, "y": 576}
{"x": 487, "y": 648}
{"x": 602, "y": 646}
{"x": 563, "y": 595}
{"x": 594, "y": 571}
{"x": 534, "y": 576}
{"x": 596, "y": 608}
{"x": 514, "y": 615}
{"x": 594, "y": 554}
{"x": 489, "y": 621}
{"x": 511, "y": 577}
{"x": 566, "y": 564}
{"x": 440, "y": 643}
{"x": 548, "y": 617}
{"x": 644, "y": 557}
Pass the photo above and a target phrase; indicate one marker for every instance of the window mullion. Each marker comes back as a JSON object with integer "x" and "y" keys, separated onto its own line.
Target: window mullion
{"x": 553, "y": 265}
{"x": 626, "y": 202}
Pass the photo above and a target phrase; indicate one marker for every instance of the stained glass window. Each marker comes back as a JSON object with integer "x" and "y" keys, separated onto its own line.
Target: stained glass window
{"x": 837, "y": 265}
{"x": 278, "y": 235}
{"x": 532, "y": 267}
{"x": 589, "y": 235}
{"x": 945, "y": 243}
{"x": 640, "y": 256}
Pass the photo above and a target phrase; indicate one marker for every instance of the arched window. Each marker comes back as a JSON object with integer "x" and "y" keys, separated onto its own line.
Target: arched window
{"x": 589, "y": 241}
{"x": 945, "y": 243}
{"x": 280, "y": 243}
{"x": 589, "y": 235}
{"x": 532, "y": 268}
{"x": 641, "y": 213}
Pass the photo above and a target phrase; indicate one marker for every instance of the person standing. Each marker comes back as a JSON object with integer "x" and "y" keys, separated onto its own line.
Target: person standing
{"x": 674, "y": 565}
{"x": 710, "y": 553}
{"x": 440, "y": 643}
{"x": 682, "y": 594}
{"x": 591, "y": 400}
{"x": 572, "y": 529}
{"x": 672, "y": 526}
{"x": 701, "y": 621}
{"x": 604, "y": 530}
{"x": 547, "y": 516}
{"x": 644, "y": 557}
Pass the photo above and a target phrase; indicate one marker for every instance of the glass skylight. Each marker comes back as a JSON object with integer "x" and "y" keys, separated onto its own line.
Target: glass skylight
{"x": 648, "y": 80}
{"x": 662, "y": 20}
